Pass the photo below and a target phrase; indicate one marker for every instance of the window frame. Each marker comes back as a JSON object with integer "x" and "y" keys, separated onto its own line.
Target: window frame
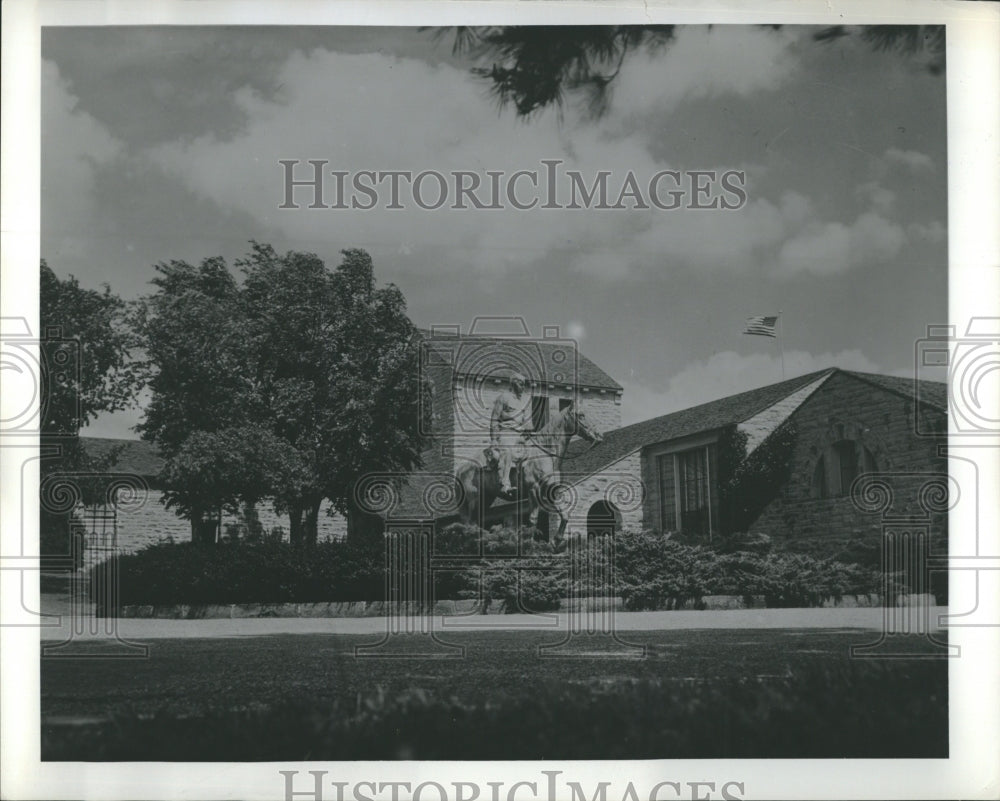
{"x": 672, "y": 449}
{"x": 862, "y": 460}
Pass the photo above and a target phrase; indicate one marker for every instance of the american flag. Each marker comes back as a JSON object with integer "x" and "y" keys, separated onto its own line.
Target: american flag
{"x": 761, "y": 326}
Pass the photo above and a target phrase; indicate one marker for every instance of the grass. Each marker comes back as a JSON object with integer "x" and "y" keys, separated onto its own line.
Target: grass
{"x": 737, "y": 694}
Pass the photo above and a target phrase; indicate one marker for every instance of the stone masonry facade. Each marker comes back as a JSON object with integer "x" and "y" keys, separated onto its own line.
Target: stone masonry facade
{"x": 144, "y": 520}
{"x": 908, "y": 465}
{"x": 619, "y": 485}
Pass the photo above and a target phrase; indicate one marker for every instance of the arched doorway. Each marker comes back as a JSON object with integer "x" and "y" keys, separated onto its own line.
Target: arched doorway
{"x": 603, "y": 520}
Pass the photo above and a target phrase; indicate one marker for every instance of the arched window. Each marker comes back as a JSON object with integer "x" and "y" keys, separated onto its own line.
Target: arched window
{"x": 603, "y": 519}
{"x": 838, "y": 466}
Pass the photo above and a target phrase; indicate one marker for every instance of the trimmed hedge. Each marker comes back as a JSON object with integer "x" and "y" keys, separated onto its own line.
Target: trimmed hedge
{"x": 241, "y": 572}
{"x": 651, "y": 571}
{"x": 861, "y": 710}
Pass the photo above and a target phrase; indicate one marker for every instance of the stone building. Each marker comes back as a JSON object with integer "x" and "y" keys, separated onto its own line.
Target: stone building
{"x": 139, "y": 518}
{"x": 810, "y": 438}
{"x": 465, "y": 374}
{"x": 833, "y": 426}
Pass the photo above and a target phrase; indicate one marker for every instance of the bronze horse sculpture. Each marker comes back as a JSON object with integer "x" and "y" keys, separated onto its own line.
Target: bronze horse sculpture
{"x": 537, "y": 474}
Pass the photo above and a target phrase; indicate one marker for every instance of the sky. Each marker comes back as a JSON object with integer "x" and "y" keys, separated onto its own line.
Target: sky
{"x": 164, "y": 143}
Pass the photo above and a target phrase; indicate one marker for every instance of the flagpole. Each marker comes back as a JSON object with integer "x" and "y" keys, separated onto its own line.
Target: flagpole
{"x": 781, "y": 344}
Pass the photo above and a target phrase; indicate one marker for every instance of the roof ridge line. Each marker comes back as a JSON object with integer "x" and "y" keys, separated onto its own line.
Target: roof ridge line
{"x": 867, "y": 378}
{"x": 817, "y": 375}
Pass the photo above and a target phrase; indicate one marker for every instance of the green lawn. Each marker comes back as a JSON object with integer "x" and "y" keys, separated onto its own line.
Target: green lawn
{"x": 696, "y": 694}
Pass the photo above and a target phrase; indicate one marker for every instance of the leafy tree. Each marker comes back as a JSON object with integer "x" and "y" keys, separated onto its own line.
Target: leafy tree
{"x": 194, "y": 339}
{"x": 534, "y": 67}
{"x": 338, "y": 375}
{"x": 87, "y": 368}
{"x": 86, "y": 344}
{"x": 318, "y": 366}
{"x": 224, "y": 470}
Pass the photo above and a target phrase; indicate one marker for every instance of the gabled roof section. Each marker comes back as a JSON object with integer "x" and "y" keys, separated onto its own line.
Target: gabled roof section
{"x": 543, "y": 361}
{"x": 761, "y": 425}
{"x": 932, "y": 393}
{"x": 754, "y": 405}
{"x": 698, "y": 419}
{"x": 136, "y": 457}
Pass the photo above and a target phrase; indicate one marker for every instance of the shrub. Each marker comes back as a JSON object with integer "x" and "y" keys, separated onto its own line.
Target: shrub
{"x": 654, "y": 571}
{"x": 242, "y": 572}
{"x": 751, "y": 543}
{"x": 657, "y": 571}
{"x": 651, "y": 571}
{"x": 527, "y": 576}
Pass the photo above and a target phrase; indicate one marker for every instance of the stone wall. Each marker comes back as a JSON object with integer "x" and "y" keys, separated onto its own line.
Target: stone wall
{"x": 620, "y": 485}
{"x": 909, "y": 470}
{"x": 908, "y": 481}
{"x": 143, "y": 520}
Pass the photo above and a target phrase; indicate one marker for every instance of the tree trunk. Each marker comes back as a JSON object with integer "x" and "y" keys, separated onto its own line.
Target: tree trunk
{"x": 312, "y": 522}
{"x": 255, "y": 529}
{"x": 203, "y": 530}
{"x": 295, "y": 527}
{"x": 364, "y": 527}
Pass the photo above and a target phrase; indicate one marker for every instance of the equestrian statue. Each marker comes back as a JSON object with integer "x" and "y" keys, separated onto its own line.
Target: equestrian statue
{"x": 521, "y": 463}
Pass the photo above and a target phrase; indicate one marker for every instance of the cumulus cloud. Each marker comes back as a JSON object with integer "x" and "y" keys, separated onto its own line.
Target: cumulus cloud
{"x": 833, "y": 248}
{"x": 727, "y": 373}
{"x": 395, "y": 113}
{"x": 74, "y": 147}
{"x": 702, "y": 62}
{"x": 910, "y": 159}
{"x": 437, "y": 117}
{"x": 933, "y": 232}
{"x": 880, "y": 198}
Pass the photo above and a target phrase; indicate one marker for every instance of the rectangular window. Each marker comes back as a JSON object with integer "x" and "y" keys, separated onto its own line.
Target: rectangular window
{"x": 564, "y": 402}
{"x": 693, "y": 491}
{"x": 539, "y": 412}
{"x": 665, "y": 475}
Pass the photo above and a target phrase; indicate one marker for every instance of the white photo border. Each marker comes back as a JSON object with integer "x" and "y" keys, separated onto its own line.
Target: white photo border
{"x": 973, "y": 89}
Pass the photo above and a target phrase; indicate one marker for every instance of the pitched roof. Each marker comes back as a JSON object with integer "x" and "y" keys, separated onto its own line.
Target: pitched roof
{"x": 933, "y": 393}
{"x": 727, "y": 411}
{"x": 136, "y": 457}
{"x": 542, "y": 361}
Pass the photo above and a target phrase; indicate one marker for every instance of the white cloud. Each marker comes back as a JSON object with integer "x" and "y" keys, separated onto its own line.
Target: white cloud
{"x": 881, "y": 199}
{"x": 383, "y": 114}
{"x": 726, "y": 60}
{"x": 74, "y": 146}
{"x": 933, "y": 232}
{"x": 709, "y": 241}
{"x": 832, "y": 248}
{"x": 728, "y": 373}
{"x": 910, "y": 159}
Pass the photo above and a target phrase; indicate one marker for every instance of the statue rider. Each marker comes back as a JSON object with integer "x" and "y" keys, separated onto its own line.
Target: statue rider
{"x": 510, "y": 420}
